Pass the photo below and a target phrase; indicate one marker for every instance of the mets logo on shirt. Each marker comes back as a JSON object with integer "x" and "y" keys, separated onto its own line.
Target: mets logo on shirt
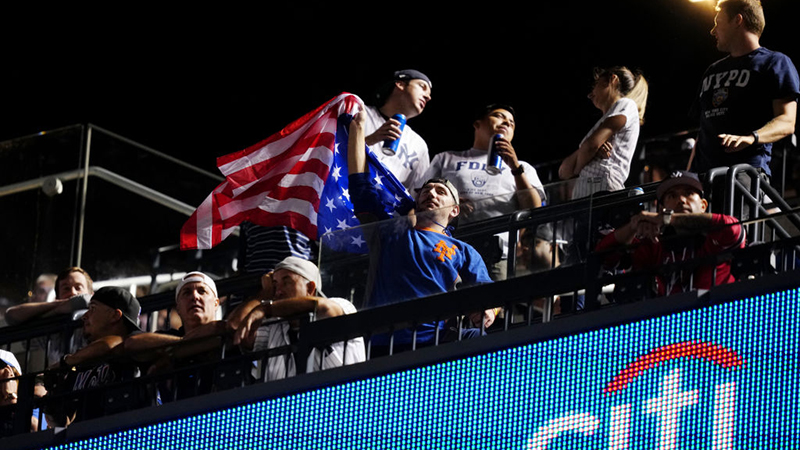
{"x": 719, "y": 97}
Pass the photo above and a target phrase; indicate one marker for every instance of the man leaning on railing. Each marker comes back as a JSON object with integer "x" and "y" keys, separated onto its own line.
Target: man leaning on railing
{"x": 73, "y": 287}
{"x": 292, "y": 289}
{"x": 681, "y": 232}
{"x": 112, "y": 316}
{"x": 199, "y": 340}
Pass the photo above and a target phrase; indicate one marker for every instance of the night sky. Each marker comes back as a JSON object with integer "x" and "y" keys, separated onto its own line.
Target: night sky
{"x": 200, "y": 83}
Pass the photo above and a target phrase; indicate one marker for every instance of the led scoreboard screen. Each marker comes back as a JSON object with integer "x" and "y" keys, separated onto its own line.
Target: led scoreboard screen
{"x": 719, "y": 377}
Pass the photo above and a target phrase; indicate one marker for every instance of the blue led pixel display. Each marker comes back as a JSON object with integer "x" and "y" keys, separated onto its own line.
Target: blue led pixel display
{"x": 720, "y": 377}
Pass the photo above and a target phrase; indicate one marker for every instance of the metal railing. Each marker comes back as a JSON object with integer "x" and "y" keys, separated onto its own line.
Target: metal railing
{"x": 37, "y": 171}
{"x": 753, "y": 261}
{"x": 574, "y": 221}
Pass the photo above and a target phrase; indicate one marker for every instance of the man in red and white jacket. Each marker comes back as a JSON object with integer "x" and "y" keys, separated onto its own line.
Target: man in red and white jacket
{"x": 681, "y": 231}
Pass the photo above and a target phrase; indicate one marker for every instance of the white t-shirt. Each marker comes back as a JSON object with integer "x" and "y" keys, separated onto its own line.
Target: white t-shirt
{"x": 411, "y": 160}
{"x": 492, "y": 194}
{"x": 610, "y": 174}
{"x": 276, "y": 334}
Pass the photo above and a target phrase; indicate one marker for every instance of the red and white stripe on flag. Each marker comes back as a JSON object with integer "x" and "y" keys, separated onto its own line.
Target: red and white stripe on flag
{"x": 277, "y": 181}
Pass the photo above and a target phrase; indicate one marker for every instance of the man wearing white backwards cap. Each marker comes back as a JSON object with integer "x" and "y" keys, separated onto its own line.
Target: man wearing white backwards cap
{"x": 196, "y": 301}
{"x": 294, "y": 288}
{"x": 200, "y": 339}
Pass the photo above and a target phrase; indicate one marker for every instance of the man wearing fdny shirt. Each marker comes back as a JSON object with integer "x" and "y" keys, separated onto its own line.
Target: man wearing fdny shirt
{"x": 467, "y": 169}
{"x": 747, "y": 100}
{"x": 484, "y": 195}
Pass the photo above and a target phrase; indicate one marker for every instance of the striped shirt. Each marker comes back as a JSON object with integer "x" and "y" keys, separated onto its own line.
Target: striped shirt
{"x": 264, "y": 247}
{"x": 276, "y": 333}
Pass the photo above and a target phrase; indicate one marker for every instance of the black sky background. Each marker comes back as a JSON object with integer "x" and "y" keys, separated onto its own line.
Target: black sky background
{"x": 202, "y": 83}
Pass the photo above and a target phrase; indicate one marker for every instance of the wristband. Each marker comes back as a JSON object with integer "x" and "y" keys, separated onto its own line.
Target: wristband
{"x": 755, "y": 137}
{"x": 518, "y": 171}
{"x": 666, "y": 217}
{"x": 267, "y": 305}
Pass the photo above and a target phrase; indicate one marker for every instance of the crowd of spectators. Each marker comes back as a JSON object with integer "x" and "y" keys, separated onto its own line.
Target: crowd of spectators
{"x": 420, "y": 257}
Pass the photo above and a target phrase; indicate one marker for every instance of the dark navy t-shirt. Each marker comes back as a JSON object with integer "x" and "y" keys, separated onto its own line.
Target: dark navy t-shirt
{"x": 735, "y": 97}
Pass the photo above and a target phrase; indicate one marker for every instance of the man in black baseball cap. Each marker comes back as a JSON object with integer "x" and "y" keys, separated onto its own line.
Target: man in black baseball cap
{"x": 681, "y": 231}
{"x": 113, "y": 311}
{"x": 113, "y": 315}
{"x": 407, "y": 93}
{"x": 682, "y": 179}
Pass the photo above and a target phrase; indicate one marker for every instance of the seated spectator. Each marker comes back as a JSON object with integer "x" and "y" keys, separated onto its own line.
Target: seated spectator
{"x": 681, "y": 231}
{"x": 420, "y": 260}
{"x": 44, "y": 289}
{"x": 10, "y": 370}
{"x": 199, "y": 339}
{"x": 113, "y": 315}
{"x": 294, "y": 288}
{"x": 73, "y": 288}
{"x": 537, "y": 251}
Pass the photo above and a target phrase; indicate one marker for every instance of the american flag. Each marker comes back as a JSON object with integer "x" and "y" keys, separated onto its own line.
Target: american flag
{"x": 295, "y": 178}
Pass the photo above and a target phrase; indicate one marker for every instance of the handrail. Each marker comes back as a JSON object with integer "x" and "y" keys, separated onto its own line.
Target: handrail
{"x": 8, "y": 142}
{"x": 169, "y": 158}
{"x": 392, "y": 317}
{"x": 107, "y": 175}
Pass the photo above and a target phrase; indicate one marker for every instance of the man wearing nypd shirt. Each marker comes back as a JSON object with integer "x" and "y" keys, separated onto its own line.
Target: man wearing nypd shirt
{"x": 408, "y": 93}
{"x": 746, "y": 101}
{"x": 682, "y": 231}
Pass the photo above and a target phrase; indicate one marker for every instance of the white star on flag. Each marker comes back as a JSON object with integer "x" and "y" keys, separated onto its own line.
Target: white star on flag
{"x": 329, "y": 204}
{"x": 357, "y": 241}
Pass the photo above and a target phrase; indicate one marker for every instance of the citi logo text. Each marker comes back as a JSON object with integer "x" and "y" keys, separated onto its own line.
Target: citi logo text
{"x": 665, "y": 409}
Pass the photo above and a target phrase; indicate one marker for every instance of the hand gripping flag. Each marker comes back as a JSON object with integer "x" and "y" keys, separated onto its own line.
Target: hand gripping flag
{"x": 283, "y": 179}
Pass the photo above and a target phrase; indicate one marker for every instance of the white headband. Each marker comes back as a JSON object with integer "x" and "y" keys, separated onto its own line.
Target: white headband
{"x": 199, "y": 277}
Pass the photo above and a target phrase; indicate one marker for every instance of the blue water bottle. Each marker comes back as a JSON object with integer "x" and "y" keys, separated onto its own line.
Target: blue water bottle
{"x": 494, "y": 163}
{"x": 390, "y": 146}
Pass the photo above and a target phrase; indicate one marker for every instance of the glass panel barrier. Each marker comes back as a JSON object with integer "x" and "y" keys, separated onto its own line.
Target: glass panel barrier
{"x": 123, "y": 229}
{"x": 128, "y": 234}
{"x": 36, "y": 233}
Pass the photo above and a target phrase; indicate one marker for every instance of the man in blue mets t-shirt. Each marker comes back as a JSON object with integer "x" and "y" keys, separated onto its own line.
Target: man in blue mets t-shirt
{"x": 417, "y": 257}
